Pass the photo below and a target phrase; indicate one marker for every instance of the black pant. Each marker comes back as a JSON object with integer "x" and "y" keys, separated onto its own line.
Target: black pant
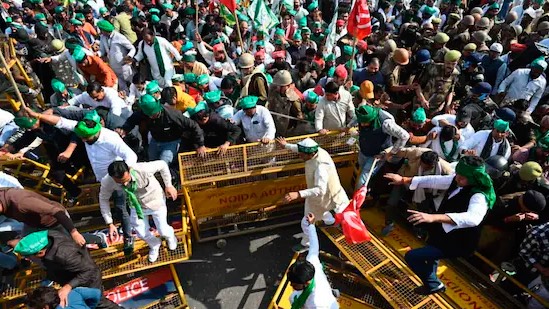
{"x": 105, "y": 303}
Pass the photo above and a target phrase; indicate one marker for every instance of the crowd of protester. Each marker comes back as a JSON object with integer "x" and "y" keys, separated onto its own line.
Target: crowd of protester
{"x": 141, "y": 81}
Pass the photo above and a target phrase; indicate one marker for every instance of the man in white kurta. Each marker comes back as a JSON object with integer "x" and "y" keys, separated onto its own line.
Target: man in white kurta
{"x": 117, "y": 48}
{"x": 324, "y": 193}
{"x": 141, "y": 181}
{"x": 320, "y": 294}
{"x": 487, "y": 143}
{"x": 167, "y": 51}
{"x": 105, "y": 97}
{"x": 256, "y": 120}
{"x": 528, "y": 84}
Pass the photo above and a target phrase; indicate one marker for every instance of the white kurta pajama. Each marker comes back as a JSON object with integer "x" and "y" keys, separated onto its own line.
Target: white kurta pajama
{"x": 116, "y": 47}
{"x": 478, "y": 140}
{"x": 324, "y": 192}
{"x": 168, "y": 51}
{"x": 321, "y": 297}
{"x": 151, "y": 197}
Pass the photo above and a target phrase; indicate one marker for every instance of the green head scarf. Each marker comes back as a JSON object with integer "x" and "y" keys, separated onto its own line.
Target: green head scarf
{"x": 93, "y": 116}
{"x": 58, "y": 86}
{"x": 369, "y": 114}
{"x": 152, "y": 87}
{"x": 190, "y": 78}
{"x": 189, "y": 58}
{"x": 32, "y": 243}
{"x": 248, "y": 102}
{"x": 149, "y": 105}
{"x": 202, "y": 79}
{"x": 478, "y": 179}
{"x": 79, "y": 54}
{"x": 212, "y": 96}
{"x": 202, "y": 106}
{"x": 312, "y": 97}
{"x": 419, "y": 115}
{"x": 501, "y": 125}
{"x": 83, "y": 131}
{"x": 25, "y": 122}
{"x": 105, "y": 25}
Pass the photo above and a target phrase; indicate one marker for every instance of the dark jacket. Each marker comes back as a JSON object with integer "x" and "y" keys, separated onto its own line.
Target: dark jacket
{"x": 67, "y": 263}
{"x": 33, "y": 209}
{"x": 170, "y": 126}
{"x": 218, "y": 130}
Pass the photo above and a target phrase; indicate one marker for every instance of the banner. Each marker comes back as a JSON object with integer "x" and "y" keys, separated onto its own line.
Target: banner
{"x": 245, "y": 197}
{"x": 139, "y": 286}
{"x": 360, "y": 22}
{"x": 262, "y": 15}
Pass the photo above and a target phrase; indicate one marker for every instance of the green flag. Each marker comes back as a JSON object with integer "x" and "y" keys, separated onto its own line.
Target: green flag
{"x": 262, "y": 15}
{"x": 227, "y": 15}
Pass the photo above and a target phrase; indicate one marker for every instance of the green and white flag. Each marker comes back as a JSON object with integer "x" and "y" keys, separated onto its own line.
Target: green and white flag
{"x": 227, "y": 15}
{"x": 262, "y": 15}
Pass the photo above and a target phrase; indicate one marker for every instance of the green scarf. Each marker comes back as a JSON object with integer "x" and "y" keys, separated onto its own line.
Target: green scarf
{"x": 131, "y": 190}
{"x": 300, "y": 300}
{"x": 448, "y": 156}
{"x": 369, "y": 114}
{"x": 159, "y": 60}
{"x": 479, "y": 180}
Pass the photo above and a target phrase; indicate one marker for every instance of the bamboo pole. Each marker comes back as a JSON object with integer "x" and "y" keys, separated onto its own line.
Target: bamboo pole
{"x": 12, "y": 80}
{"x": 196, "y": 15}
{"x": 353, "y": 61}
{"x": 238, "y": 31}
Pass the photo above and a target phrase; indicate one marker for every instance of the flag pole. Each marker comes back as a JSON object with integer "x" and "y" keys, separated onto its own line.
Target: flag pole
{"x": 350, "y": 75}
{"x": 196, "y": 15}
{"x": 238, "y": 31}
{"x": 11, "y": 79}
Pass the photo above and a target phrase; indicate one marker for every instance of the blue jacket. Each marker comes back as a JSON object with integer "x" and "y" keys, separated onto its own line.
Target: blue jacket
{"x": 83, "y": 298}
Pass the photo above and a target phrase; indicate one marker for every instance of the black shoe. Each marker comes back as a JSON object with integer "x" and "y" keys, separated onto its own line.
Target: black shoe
{"x": 128, "y": 246}
{"x": 424, "y": 290}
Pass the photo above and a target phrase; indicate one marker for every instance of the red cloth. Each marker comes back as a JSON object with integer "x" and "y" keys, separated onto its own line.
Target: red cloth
{"x": 340, "y": 22}
{"x": 353, "y": 228}
{"x": 362, "y": 44}
{"x": 230, "y": 4}
{"x": 218, "y": 47}
{"x": 319, "y": 91}
{"x": 279, "y": 54}
{"x": 260, "y": 53}
{"x": 359, "y": 24}
{"x": 518, "y": 48}
{"x": 341, "y": 71}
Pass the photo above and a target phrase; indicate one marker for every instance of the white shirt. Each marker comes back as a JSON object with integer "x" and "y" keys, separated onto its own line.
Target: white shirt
{"x": 134, "y": 95}
{"x": 8, "y": 181}
{"x": 151, "y": 195}
{"x": 519, "y": 85}
{"x": 466, "y": 132}
{"x": 228, "y": 64}
{"x": 321, "y": 179}
{"x": 166, "y": 49}
{"x": 5, "y": 118}
{"x": 478, "y": 140}
{"x": 321, "y": 297}
{"x": 116, "y": 47}
{"x": 111, "y": 101}
{"x": 260, "y": 125}
{"x": 436, "y": 147}
{"x": 108, "y": 148}
{"x": 332, "y": 115}
{"x": 477, "y": 204}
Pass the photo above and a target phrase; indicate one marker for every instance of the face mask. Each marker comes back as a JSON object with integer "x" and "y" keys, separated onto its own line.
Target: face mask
{"x": 483, "y": 96}
{"x": 466, "y": 65}
{"x": 239, "y": 50}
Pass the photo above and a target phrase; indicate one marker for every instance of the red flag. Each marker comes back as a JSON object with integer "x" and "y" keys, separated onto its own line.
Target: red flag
{"x": 353, "y": 228}
{"x": 360, "y": 22}
{"x": 230, "y": 4}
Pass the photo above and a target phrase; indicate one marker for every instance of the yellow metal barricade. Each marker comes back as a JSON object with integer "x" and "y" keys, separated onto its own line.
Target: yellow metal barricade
{"x": 242, "y": 190}
{"x": 387, "y": 274}
{"x": 462, "y": 286}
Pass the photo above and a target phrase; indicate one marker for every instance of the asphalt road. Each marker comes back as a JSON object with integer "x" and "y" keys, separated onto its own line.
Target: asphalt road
{"x": 243, "y": 275}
